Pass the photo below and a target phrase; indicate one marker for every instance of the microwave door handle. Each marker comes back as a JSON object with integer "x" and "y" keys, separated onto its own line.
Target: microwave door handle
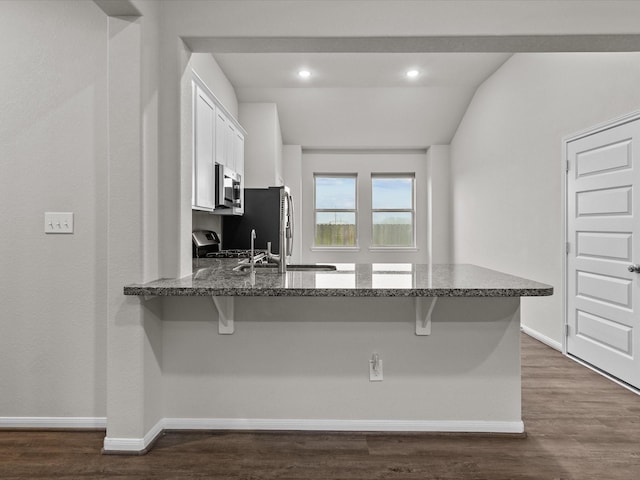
{"x": 290, "y": 228}
{"x": 219, "y": 188}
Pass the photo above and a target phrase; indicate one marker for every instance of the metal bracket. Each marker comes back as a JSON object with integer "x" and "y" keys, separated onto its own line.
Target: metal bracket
{"x": 224, "y": 305}
{"x": 424, "y": 309}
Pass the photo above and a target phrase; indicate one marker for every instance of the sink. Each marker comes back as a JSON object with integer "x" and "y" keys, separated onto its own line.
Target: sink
{"x": 273, "y": 268}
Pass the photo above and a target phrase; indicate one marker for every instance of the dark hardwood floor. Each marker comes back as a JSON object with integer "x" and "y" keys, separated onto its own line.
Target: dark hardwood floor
{"x": 579, "y": 426}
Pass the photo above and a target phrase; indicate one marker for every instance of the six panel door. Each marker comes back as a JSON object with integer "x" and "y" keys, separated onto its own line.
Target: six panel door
{"x": 602, "y": 224}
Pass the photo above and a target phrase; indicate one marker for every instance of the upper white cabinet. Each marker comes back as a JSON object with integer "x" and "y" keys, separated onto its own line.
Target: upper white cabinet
{"x": 221, "y": 132}
{"x": 217, "y": 138}
{"x": 203, "y": 151}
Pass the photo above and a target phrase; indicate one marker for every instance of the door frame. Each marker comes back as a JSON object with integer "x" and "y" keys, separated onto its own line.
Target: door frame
{"x": 612, "y": 123}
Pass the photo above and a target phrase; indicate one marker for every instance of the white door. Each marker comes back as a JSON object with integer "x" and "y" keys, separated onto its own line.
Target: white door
{"x": 603, "y": 212}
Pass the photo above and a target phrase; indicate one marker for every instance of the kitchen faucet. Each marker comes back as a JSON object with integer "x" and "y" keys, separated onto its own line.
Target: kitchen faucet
{"x": 279, "y": 259}
{"x": 253, "y": 260}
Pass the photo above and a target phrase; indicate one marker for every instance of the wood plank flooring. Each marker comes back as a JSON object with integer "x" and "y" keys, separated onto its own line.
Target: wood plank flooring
{"x": 579, "y": 426}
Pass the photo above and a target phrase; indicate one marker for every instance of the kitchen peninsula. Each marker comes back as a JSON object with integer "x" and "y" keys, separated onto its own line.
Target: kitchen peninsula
{"x": 298, "y": 357}
{"x": 217, "y": 277}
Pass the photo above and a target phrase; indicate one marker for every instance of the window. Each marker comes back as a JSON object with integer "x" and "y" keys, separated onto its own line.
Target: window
{"x": 392, "y": 210}
{"x": 335, "y": 210}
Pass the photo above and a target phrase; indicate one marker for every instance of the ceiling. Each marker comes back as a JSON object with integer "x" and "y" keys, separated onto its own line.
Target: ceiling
{"x": 356, "y": 70}
{"x": 362, "y": 100}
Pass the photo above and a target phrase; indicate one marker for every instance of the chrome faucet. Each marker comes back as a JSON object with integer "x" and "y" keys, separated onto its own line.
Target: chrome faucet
{"x": 279, "y": 259}
{"x": 253, "y": 260}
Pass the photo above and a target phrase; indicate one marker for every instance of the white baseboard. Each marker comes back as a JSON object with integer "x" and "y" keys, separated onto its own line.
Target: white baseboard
{"x": 541, "y": 338}
{"x": 343, "y": 425}
{"x": 53, "y": 422}
{"x": 137, "y": 445}
{"x": 133, "y": 445}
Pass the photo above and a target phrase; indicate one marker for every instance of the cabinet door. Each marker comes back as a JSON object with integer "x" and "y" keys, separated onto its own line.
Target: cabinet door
{"x": 221, "y": 138}
{"x": 239, "y": 152}
{"x": 203, "y": 146}
{"x": 231, "y": 146}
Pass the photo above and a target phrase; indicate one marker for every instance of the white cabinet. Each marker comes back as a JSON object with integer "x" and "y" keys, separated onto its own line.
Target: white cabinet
{"x": 238, "y": 156}
{"x": 203, "y": 151}
{"x": 222, "y": 125}
{"x": 217, "y": 138}
{"x": 229, "y": 143}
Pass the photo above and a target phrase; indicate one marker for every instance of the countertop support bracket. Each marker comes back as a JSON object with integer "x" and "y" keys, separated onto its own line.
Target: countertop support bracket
{"x": 424, "y": 309}
{"x": 224, "y": 305}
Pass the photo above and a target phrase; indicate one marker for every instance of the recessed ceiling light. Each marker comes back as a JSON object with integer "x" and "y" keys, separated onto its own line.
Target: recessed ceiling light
{"x": 412, "y": 73}
{"x": 304, "y": 73}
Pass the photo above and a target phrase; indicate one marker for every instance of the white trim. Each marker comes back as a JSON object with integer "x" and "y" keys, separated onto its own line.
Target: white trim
{"x": 474, "y": 426}
{"x": 564, "y": 189}
{"x": 53, "y": 422}
{"x": 394, "y": 249}
{"x": 614, "y": 122}
{"x": 542, "y": 338}
{"x": 138, "y": 445}
{"x": 112, "y": 444}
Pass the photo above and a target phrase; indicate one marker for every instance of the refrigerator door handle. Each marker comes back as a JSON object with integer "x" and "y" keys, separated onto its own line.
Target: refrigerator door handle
{"x": 290, "y": 225}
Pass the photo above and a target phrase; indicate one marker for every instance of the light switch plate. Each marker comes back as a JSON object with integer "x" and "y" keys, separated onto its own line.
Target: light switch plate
{"x": 375, "y": 370}
{"x": 58, "y": 222}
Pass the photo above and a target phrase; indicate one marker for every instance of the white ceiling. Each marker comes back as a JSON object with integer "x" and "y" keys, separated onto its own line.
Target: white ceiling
{"x": 355, "y": 70}
{"x": 362, "y": 100}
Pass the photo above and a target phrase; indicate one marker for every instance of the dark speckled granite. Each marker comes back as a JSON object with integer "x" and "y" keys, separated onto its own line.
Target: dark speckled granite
{"x": 216, "y": 277}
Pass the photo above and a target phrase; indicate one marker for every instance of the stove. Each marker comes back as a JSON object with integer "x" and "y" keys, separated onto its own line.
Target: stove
{"x": 234, "y": 253}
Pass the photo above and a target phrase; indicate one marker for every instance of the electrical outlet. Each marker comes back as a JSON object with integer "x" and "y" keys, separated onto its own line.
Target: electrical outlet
{"x": 58, "y": 222}
{"x": 375, "y": 368}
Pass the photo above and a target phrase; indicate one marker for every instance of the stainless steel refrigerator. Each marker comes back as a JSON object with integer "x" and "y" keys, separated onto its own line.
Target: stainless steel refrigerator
{"x": 268, "y": 211}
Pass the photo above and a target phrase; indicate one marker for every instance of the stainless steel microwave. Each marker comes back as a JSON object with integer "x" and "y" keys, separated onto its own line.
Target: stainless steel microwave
{"x": 227, "y": 187}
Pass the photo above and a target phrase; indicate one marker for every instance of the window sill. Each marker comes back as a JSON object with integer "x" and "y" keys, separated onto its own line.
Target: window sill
{"x": 393, "y": 249}
{"x": 335, "y": 249}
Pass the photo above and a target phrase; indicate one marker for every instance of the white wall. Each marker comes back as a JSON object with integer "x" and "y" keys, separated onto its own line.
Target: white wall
{"x": 262, "y": 144}
{"x": 363, "y": 164}
{"x": 439, "y": 204}
{"x": 307, "y": 358}
{"x": 53, "y": 146}
{"x": 506, "y": 164}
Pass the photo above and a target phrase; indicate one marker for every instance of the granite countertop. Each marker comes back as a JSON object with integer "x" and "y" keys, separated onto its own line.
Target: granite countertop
{"x": 216, "y": 277}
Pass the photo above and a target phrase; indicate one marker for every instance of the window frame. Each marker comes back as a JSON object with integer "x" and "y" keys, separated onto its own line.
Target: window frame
{"x": 354, "y": 210}
{"x": 412, "y": 210}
